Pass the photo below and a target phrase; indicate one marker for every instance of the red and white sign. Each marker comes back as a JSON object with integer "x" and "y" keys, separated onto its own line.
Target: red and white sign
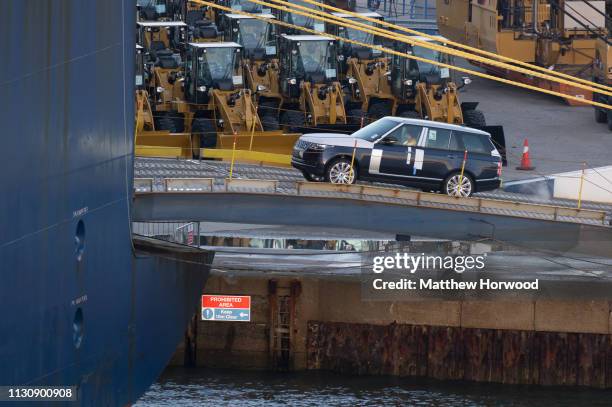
{"x": 226, "y": 307}
{"x": 226, "y": 301}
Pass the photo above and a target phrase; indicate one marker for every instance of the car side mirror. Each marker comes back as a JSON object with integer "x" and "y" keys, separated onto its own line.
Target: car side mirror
{"x": 389, "y": 141}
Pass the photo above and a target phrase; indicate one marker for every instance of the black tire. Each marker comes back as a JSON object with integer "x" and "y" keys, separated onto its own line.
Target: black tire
{"x": 269, "y": 122}
{"x": 166, "y": 122}
{"x": 333, "y": 165}
{"x": 205, "y": 128}
{"x": 179, "y": 122}
{"x": 409, "y": 114}
{"x": 268, "y": 108}
{"x": 355, "y": 116}
{"x": 293, "y": 119}
{"x": 467, "y": 180}
{"x": 609, "y": 119}
{"x": 601, "y": 115}
{"x": 379, "y": 109}
{"x": 474, "y": 118}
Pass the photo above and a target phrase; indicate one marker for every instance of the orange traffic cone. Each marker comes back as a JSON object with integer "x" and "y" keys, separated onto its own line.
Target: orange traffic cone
{"x": 525, "y": 160}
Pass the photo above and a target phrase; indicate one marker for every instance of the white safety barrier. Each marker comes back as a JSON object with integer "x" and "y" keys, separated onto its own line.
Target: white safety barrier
{"x": 596, "y": 186}
{"x": 189, "y": 184}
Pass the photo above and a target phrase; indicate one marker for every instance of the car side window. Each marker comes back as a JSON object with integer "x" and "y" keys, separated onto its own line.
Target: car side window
{"x": 437, "y": 138}
{"x": 474, "y": 143}
{"x": 455, "y": 142}
{"x": 405, "y": 135}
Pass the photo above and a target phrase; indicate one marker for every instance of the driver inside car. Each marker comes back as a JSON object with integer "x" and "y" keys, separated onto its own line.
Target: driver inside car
{"x": 408, "y": 135}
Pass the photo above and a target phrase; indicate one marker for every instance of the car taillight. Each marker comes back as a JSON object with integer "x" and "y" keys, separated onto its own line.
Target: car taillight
{"x": 499, "y": 169}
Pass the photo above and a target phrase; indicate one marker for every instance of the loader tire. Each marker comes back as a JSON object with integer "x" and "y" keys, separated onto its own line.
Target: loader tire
{"x": 474, "y": 118}
{"x": 379, "y": 109}
{"x": 166, "y": 122}
{"x": 269, "y": 122}
{"x": 205, "y": 127}
{"x": 601, "y": 115}
{"x": 268, "y": 108}
{"x": 179, "y": 122}
{"x": 292, "y": 119}
{"x": 355, "y": 116}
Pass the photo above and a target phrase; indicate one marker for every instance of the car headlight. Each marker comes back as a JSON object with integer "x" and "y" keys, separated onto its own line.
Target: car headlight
{"x": 261, "y": 88}
{"x": 408, "y": 82}
{"x": 160, "y": 89}
{"x": 352, "y": 81}
{"x": 201, "y": 88}
{"x": 292, "y": 81}
{"x": 317, "y": 147}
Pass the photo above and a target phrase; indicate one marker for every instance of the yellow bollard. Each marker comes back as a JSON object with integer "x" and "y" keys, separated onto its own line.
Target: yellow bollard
{"x": 353, "y": 158}
{"x": 462, "y": 168}
{"x": 581, "y": 184}
{"x": 253, "y": 128}
{"x": 233, "y": 156}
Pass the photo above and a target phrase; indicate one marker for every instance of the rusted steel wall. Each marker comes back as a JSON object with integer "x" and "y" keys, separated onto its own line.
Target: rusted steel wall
{"x": 483, "y": 355}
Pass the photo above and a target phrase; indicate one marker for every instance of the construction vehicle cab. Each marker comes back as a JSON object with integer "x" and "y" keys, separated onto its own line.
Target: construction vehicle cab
{"x": 364, "y": 71}
{"x": 217, "y": 100}
{"x": 428, "y": 91}
{"x": 260, "y": 59}
{"x": 189, "y": 12}
{"x": 160, "y": 35}
{"x": 312, "y": 95}
{"x": 300, "y": 20}
{"x": 153, "y": 10}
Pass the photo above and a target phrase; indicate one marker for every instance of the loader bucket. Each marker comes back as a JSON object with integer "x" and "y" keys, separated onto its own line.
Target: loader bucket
{"x": 328, "y": 128}
{"x": 265, "y": 142}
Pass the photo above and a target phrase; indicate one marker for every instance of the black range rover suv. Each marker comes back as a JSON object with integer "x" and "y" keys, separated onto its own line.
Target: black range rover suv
{"x": 418, "y": 153}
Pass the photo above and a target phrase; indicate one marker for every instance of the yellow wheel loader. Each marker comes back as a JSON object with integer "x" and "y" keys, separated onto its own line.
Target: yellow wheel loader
{"x": 215, "y": 95}
{"x": 155, "y": 36}
{"x": 365, "y": 72}
{"x": 159, "y": 140}
{"x": 260, "y": 62}
{"x": 427, "y": 91}
{"x": 312, "y": 95}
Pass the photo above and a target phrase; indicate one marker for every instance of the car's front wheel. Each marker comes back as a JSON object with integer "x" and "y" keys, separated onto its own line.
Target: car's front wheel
{"x": 459, "y": 185}
{"x": 340, "y": 171}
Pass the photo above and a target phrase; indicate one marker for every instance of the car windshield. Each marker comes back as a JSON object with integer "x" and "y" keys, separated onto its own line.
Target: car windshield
{"x": 253, "y": 33}
{"x": 246, "y": 6}
{"x": 216, "y": 64}
{"x": 374, "y": 131}
{"x": 314, "y": 57}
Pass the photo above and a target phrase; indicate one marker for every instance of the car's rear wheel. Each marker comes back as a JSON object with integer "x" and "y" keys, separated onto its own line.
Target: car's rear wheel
{"x": 339, "y": 171}
{"x": 458, "y": 185}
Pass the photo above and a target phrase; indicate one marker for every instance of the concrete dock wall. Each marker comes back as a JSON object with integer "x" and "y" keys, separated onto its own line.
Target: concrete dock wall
{"x": 328, "y": 326}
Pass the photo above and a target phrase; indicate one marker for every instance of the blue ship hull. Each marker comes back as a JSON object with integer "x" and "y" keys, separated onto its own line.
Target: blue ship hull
{"x": 82, "y": 304}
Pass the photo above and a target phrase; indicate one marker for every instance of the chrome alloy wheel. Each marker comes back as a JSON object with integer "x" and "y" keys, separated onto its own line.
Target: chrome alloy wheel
{"x": 341, "y": 173}
{"x": 459, "y": 186}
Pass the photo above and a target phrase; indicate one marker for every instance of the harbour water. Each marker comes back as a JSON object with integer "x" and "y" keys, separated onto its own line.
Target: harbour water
{"x": 214, "y": 387}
